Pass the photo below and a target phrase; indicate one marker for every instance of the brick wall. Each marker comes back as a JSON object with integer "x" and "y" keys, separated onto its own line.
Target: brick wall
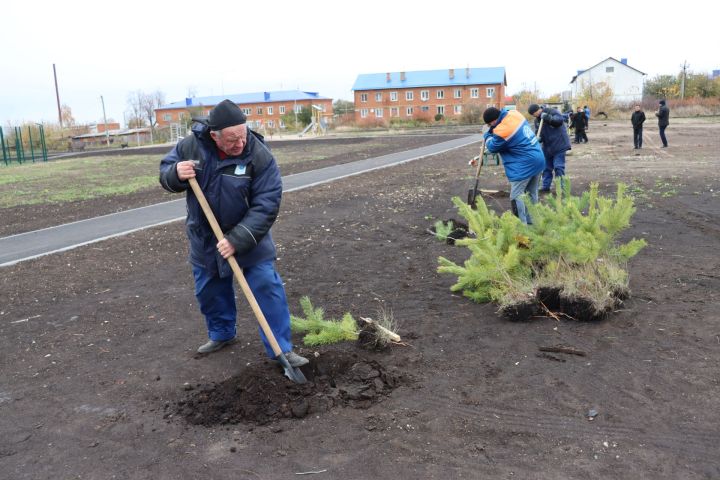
{"x": 381, "y": 106}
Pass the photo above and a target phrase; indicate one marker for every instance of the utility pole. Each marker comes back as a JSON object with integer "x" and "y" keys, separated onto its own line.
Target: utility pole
{"x": 682, "y": 80}
{"x": 57, "y": 96}
{"x": 107, "y": 134}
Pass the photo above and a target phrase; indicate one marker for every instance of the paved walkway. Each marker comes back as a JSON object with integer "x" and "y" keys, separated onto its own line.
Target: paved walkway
{"x": 24, "y": 246}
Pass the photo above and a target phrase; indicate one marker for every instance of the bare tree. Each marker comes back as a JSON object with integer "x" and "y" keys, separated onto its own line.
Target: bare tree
{"x": 66, "y": 114}
{"x": 150, "y": 102}
{"x": 142, "y": 108}
{"x": 135, "y": 117}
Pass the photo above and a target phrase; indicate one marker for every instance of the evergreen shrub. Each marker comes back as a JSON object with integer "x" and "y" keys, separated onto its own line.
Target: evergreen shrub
{"x": 568, "y": 260}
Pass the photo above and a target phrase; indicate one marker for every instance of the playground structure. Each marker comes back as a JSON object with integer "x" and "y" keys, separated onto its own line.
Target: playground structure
{"x": 15, "y": 142}
{"x": 318, "y": 125}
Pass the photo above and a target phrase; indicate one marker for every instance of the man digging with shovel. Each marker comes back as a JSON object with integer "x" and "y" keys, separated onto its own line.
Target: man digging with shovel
{"x": 231, "y": 167}
{"x": 510, "y": 135}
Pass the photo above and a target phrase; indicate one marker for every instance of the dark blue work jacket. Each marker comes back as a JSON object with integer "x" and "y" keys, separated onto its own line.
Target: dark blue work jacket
{"x": 244, "y": 193}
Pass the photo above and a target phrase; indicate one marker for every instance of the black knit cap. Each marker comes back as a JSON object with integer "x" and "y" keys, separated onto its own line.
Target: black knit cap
{"x": 662, "y": 102}
{"x": 533, "y": 108}
{"x": 225, "y": 114}
{"x": 491, "y": 114}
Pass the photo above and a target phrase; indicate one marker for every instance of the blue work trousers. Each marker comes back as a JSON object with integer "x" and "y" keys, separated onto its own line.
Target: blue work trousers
{"x": 556, "y": 165}
{"x": 529, "y": 186}
{"x": 216, "y": 297}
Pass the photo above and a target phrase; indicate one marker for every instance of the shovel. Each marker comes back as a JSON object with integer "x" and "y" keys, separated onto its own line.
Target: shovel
{"x": 293, "y": 373}
{"x": 473, "y": 193}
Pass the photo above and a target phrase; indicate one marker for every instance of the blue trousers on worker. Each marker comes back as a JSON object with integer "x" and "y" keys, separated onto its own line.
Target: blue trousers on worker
{"x": 554, "y": 164}
{"x": 517, "y": 189}
{"x": 216, "y": 297}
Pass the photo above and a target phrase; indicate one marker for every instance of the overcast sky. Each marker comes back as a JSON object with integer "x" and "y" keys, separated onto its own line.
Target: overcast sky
{"x": 110, "y": 49}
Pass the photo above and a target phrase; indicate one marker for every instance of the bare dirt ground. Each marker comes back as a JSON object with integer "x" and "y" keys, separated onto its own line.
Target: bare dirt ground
{"x": 100, "y": 379}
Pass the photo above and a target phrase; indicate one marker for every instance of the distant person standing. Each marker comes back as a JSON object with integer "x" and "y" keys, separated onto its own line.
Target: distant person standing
{"x": 663, "y": 114}
{"x": 637, "y": 119}
{"x": 579, "y": 122}
{"x": 586, "y": 109}
{"x": 555, "y": 142}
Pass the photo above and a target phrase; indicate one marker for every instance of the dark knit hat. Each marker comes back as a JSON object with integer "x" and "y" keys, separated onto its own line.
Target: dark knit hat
{"x": 491, "y": 114}
{"x": 662, "y": 102}
{"x": 533, "y": 108}
{"x": 225, "y": 114}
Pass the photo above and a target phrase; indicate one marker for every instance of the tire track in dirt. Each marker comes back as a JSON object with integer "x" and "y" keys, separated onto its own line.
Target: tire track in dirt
{"x": 695, "y": 443}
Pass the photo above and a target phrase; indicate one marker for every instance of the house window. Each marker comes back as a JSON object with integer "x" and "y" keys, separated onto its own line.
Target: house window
{"x": 298, "y": 108}
{"x": 491, "y": 92}
{"x": 474, "y": 93}
{"x": 457, "y": 109}
{"x": 458, "y": 93}
{"x": 424, "y": 95}
{"x": 393, "y": 96}
{"x": 424, "y": 108}
{"x": 378, "y": 97}
{"x": 440, "y": 94}
{"x": 409, "y": 111}
{"x": 270, "y": 110}
{"x": 609, "y": 69}
{"x": 409, "y": 95}
{"x": 259, "y": 110}
{"x": 441, "y": 109}
{"x": 363, "y": 97}
{"x": 378, "y": 112}
{"x": 167, "y": 117}
{"x": 247, "y": 111}
{"x": 271, "y": 123}
{"x": 282, "y": 124}
{"x": 282, "y": 109}
{"x": 394, "y": 112}
{"x": 363, "y": 112}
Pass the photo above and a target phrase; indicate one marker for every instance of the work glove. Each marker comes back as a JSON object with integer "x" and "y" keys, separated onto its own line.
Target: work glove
{"x": 545, "y": 116}
{"x": 487, "y": 135}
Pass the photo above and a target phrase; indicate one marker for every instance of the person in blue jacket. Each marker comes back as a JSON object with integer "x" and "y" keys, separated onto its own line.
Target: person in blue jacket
{"x": 555, "y": 142}
{"x": 241, "y": 180}
{"x": 510, "y": 135}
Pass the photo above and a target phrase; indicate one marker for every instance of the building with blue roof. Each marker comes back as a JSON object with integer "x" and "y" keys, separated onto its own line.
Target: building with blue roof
{"x": 263, "y": 109}
{"x": 427, "y": 94}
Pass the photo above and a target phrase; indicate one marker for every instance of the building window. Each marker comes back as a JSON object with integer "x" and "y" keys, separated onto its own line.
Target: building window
{"x": 457, "y": 109}
{"x": 259, "y": 110}
{"x": 489, "y": 105}
{"x": 409, "y": 111}
{"x": 363, "y": 97}
{"x": 458, "y": 93}
{"x": 393, "y": 96}
{"x": 409, "y": 95}
{"x": 282, "y": 109}
{"x": 271, "y": 123}
{"x": 394, "y": 112}
{"x": 247, "y": 111}
{"x": 378, "y": 112}
{"x": 282, "y": 124}
{"x": 441, "y": 109}
{"x": 270, "y": 110}
{"x": 609, "y": 69}
{"x": 440, "y": 94}
{"x": 424, "y": 95}
{"x": 474, "y": 93}
{"x": 167, "y": 117}
{"x": 363, "y": 112}
{"x": 424, "y": 108}
{"x": 378, "y": 97}
{"x": 298, "y": 108}
{"x": 491, "y": 92}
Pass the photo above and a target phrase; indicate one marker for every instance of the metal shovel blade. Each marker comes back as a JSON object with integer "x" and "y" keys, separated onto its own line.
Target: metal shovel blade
{"x": 293, "y": 373}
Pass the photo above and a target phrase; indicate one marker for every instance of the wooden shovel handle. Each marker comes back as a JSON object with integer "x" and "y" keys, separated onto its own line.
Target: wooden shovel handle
{"x": 480, "y": 161}
{"x": 236, "y": 268}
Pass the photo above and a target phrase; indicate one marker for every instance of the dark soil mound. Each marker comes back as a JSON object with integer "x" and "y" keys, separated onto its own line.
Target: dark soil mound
{"x": 549, "y": 301}
{"x": 259, "y": 395}
{"x": 459, "y": 230}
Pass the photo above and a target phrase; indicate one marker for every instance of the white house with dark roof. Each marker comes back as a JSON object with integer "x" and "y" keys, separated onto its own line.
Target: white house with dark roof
{"x": 625, "y": 81}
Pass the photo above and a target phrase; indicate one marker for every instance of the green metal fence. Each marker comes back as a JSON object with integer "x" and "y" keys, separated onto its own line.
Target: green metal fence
{"x": 15, "y": 146}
